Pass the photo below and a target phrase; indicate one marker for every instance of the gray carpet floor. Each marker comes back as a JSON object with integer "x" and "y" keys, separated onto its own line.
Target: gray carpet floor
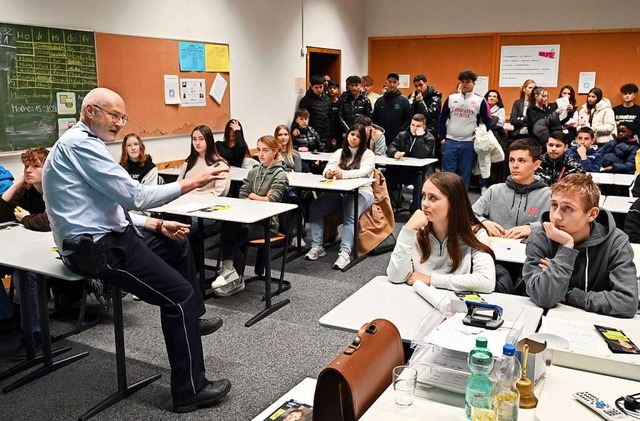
{"x": 262, "y": 362}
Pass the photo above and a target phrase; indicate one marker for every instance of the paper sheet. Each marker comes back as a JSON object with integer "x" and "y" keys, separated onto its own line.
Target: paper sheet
{"x": 563, "y": 102}
{"x": 218, "y": 88}
{"x": 586, "y": 81}
{"x": 192, "y": 92}
{"x": 482, "y": 85}
{"x": 216, "y": 57}
{"x": 171, "y": 89}
{"x": 582, "y": 336}
{"x": 191, "y": 56}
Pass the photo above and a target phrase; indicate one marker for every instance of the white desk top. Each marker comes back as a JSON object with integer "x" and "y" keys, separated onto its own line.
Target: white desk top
{"x": 631, "y": 327}
{"x": 618, "y": 204}
{"x": 508, "y": 249}
{"x": 401, "y": 305}
{"x": 602, "y": 177}
{"x": 315, "y": 182}
{"x": 623, "y": 179}
{"x": 32, "y": 251}
{"x": 302, "y": 392}
{"x": 316, "y": 156}
{"x": 238, "y": 174}
{"x": 556, "y": 402}
{"x": 241, "y": 210}
{"x": 404, "y": 162}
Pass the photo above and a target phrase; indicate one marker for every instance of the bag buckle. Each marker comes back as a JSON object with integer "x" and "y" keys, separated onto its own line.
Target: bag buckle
{"x": 353, "y": 346}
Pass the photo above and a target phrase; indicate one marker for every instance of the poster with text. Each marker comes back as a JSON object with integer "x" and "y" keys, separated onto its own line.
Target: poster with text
{"x": 521, "y": 62}
{"x": 192, "y": 93}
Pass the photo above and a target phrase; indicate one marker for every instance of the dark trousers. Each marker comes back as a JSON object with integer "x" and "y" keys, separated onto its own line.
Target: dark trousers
{"x": 234, "y": 235}
{"x": 162, "y": 272}
{"x": 397, "y": 176}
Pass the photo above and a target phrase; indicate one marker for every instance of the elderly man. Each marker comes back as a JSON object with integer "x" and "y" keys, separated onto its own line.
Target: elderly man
{"x": 87, "y": 195}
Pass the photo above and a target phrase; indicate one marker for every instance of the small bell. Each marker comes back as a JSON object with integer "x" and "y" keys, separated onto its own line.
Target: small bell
{"x": 525, "y": 386}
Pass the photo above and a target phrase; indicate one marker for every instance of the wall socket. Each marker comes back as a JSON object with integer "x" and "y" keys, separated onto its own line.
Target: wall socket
{"x": 303, "y": 51}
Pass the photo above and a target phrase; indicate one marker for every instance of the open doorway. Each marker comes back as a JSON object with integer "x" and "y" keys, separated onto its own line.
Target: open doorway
{"x": 324, "y": 61}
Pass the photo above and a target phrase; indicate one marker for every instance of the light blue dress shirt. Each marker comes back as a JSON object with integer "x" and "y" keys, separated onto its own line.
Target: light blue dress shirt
{"x": 85, "y": 189}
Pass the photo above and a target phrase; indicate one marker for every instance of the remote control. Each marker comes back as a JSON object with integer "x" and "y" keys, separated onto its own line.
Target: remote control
{"x": 600, "y": 407}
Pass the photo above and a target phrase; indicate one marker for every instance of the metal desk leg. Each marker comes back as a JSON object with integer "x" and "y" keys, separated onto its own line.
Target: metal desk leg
{"x": 124, "y": 390}
{"x": 269, "y": 308}
{"x": 47, "y": 356}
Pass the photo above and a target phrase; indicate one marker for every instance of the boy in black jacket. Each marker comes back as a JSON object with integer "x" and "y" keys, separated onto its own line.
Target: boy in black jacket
{"x": 414, "y": 142}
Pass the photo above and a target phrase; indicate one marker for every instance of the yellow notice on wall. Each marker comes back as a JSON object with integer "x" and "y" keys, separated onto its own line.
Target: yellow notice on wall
{"x": 216, "y": 57}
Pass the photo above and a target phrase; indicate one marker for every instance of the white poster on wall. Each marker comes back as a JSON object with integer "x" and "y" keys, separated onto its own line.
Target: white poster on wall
{"x": 482, "y": 85}
{"x": 586, "y": 81}
{"x": 192, "y": 93}
{"x": 521, "y": 62}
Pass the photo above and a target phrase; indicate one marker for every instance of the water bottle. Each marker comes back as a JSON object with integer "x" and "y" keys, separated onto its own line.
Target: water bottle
{"x": 506, "y": 397}
{"x": 479, "y": 392}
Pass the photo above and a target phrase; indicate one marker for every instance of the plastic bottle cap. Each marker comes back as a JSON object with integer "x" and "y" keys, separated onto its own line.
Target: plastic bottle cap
{"x": 481, "y": 342}
{"x": 509, "y": 349}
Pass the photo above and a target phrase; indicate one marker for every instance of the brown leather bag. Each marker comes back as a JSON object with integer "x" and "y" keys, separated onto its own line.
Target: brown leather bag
{"x": 350, "y": 384}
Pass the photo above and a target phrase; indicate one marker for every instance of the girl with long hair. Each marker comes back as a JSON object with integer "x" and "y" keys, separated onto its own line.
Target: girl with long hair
{"x": 597, "y": 114}
{"x": 266, "y": 182}
{"x": 204, "y": 154}
{"x": 291, "y": 157}
{"x": 569, "y": 127}
{"x": 233, "y": 147}
{"x": 138, "y": 163}
{"x": 354, "y": 160}
{"x": 519, "y": 108}
{"x": 443, "y": 244}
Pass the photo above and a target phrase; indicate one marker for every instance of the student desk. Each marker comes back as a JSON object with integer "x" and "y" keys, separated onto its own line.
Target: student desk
{"x": 169, "y": 174}
{"x": 620, "y": 365}
{"x": 381, "y": 161}
{"x": 401, "y": 305}
{"x": 618, "y": 204}
{"x": 302, "y": 392}
{"x": 240, "y": 211}
{"x": 31, "y": 251}
{"x": 308, "y": 181}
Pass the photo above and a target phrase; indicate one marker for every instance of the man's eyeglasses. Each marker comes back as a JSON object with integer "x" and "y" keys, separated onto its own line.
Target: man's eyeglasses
{"x": 114, "y": 117}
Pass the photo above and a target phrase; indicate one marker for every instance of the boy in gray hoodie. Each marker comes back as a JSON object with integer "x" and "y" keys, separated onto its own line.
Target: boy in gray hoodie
{"x": 579, "y": 257}
{"x": 512, "y": 208}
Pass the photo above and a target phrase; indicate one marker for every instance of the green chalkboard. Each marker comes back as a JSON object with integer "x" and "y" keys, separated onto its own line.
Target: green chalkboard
{"x": 44, "y": 75}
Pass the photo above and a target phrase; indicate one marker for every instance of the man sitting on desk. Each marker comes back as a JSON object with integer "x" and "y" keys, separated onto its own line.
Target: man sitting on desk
{"x": 87, "y": 193}
{"x": 579, "y": 257}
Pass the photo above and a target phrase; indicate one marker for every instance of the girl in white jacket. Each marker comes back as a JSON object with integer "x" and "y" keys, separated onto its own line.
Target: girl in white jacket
{"x": 598, "y": 114}
{"x": 442, "y": 244}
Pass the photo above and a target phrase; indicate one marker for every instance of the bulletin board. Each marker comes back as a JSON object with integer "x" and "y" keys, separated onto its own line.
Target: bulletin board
{"x": 135, "y": 68}
{"x": 613, "y": 54}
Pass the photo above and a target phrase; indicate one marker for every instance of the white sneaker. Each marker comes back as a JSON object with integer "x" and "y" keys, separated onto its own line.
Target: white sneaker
{"x": 294, "y": 242}
{"x": 315, "y": 252}
{"x": 226, "y": 277}
{"x": 343, "y": 260}
{"x": 230, "y": 289}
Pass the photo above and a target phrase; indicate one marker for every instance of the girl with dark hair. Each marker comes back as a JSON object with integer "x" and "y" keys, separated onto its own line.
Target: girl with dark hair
{"x": 354, "y": 160}
{"x": 443, "y": 244}
{"x": 137, "y": 163}
{"x": 570, "y": 127}
{"x": 598, "y": 114}
{"x": 204, "y": 154}
{"x": 499, "y": 171}
{"x": 233, "y": 147}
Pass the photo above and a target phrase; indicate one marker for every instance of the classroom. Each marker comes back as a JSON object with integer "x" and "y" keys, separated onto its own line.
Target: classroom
{"x": 268, "y": 44}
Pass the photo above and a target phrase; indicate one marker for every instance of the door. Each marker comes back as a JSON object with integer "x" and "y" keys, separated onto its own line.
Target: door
{"x": 324, "y": 61}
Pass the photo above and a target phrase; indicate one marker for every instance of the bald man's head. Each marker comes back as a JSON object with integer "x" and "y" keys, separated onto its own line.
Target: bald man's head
{"x": 104, "y": 112}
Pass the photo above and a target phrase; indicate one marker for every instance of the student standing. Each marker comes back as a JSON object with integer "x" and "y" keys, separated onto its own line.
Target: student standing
{"x": 628, "y": 111}
{"x": 392, "y": 110}
{"x": 442, "y": 243}
{"x": 318, "y": 104}
{"x": 461, "y": 113}
{"x": 367, "y": 87}
{"x": 138, "y": 163}
{"x": 598, "y": 114}
{"x": 355, "y": 160}
{"x": 579, "y": 257}
{"x": 427, "y": 101}
{"x": 518, "y": 118}
{"x": 353, "y": 103}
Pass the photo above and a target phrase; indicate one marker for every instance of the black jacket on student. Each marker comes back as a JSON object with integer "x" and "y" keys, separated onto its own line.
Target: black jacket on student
{"x": 413, "y": 146}
{"x": 350, "y": 107}
{"x": 393, "y": 112}
{"x": 632, "y": 222}
{"x": 319, "y": 107}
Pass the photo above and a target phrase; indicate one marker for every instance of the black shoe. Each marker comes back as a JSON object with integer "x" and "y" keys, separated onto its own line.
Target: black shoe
{"x": 208, "y": 326}
{"x": 21, "y": 352}
{"x": 211, "y": 394}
